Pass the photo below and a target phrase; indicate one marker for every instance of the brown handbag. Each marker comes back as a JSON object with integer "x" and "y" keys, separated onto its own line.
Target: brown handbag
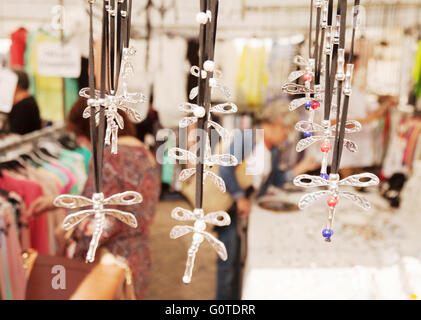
{"x": 97, "y": 281}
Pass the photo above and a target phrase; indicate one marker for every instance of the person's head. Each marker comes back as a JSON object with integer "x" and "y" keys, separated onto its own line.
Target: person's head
{"x": 277, "y": 121}
{"x": 81, "y": 126}
{"x": 22, "y": 86}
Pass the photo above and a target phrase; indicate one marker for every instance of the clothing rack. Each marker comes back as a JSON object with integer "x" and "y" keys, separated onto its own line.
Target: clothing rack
{"x": 16, "y": 141}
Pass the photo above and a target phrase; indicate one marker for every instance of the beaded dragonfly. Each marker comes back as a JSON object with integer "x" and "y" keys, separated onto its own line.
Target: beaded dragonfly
{"x": 98, "y": 211}
{"x": 325, "y": 132}
{"x": 333, "y": 192}
{"x": 218, "y": 218}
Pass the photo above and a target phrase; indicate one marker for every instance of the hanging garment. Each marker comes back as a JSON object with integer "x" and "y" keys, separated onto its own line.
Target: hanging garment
{"x": 87, "y": 155}
{"x": 29, "y": 191}
{"x": 17, "y": 47}
{"x": 170, "y": 78}
{"x": 252, "y": 78}
{"x": 13, "y": 276}
{"x": 416, "y": 74}
{"x": 226, "y": 59}
{"x": 48, "y": 90}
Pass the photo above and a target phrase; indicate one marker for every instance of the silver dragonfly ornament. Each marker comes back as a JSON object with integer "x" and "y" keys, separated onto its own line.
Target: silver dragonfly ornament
{"x": 218, "y": 218}
{"x": 99, "y": 212}
{"x": 333, "y": 193}
{"x": 323, "y": 132}
{"x": 209, "y": 161}
{"x": 214, "y": 82}
{"x": 112, "y": 103}
{"x": 199, "y": 112}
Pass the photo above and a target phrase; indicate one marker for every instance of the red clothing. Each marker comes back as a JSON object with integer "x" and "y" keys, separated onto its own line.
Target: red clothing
{"x": 17, "y": 48}
{"x": 29, "y": 191}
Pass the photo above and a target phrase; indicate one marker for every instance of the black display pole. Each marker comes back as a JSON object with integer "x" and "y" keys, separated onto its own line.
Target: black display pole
{"x": 327, "y": 100}
{"x": 201, "y": 122}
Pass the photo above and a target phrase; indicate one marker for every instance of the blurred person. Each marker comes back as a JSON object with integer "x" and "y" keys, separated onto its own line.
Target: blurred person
{"x": 133, "y": 169}
{"x": 262, "y": 152}
{"x": 24, "y": 116}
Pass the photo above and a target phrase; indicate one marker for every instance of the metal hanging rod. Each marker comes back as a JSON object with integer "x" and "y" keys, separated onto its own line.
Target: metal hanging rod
{"x": 16, "y": 141}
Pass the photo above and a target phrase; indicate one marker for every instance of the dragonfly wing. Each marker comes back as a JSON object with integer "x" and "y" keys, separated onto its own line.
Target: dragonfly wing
{"x": 186, "y": 173}
{"x": 126, "y": 217}
{"x": 225, "y": 91}
{"x": 179, "y": 231}
{"x": 87, "y": 112}
{"x": 217, "y": 245}
{"x": 225, "y": 135}
{"x": 119, "y": 119}
{"x": 218, "y": 218}
{"x": 218, "y": 181}
{"x": 309, "y": 198}
{"x": 306, "y": 180}
{"x": 133, "y": 114}
{"x": 224, "y": 108}
{"x": 125, "y": 198}
{"x": 226, "y": 160}
{"x": 307, "y": 126}
{"x": 72, "y": 201}
{"x": 351, "y": 146}
{"x": 361, "y": 180}
{"x": 193, "y": 93}
{"x": 296, "y": 103}
{"x": 306, "y": 142}
{"x": 299, "y": 60}
{"x": 360, "y": 201}
{"x": 187, "y": 121}
{"x": 74, "y": 218}
{"x": 188, "y": 107}
{"x": 295, "y": 75}
{"x": 182, "y": 214}
{"x": 352, "y": 126}
{"x": 181, "y": 154}
{"x": 292, "y": 88}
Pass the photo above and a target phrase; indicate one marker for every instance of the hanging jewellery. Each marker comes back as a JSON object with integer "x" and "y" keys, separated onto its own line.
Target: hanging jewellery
{"x": 200, "y": 115}
{"x": 333, "y": 183}
{"x": 97, "y": 102}
{"x": 219, "y": 218}
{"x": 99, "y": 212}
{"x": 334, "y": 49}
{"x": 113, "y": 103}
{"x": 122, "y": 99}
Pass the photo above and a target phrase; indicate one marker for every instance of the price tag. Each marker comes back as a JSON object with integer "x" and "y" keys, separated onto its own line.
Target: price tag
{"x": 57, "y": 60}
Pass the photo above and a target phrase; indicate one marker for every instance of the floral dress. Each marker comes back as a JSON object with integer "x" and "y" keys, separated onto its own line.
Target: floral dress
{"x": 132, "y": 169}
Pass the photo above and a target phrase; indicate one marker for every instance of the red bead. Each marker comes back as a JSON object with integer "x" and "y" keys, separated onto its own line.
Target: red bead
{"x": 332, "y": 202}
{"x": 315, "y": 104}
{"x": 307, "y": 77}
{"x": 326, "y": 147}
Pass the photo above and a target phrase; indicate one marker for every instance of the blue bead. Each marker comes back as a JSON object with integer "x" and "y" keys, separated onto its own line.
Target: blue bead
{"x": 324, "y": 176}
{"x": 307, "y": 134}
{"x": 308, "y": 105}
{"x": 327, "y": 233}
